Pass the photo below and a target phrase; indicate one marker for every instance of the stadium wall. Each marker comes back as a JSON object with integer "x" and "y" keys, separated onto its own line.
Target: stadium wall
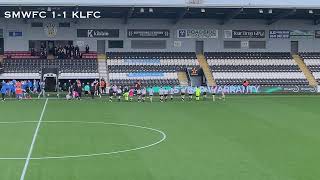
{"x": 187, "y": 45}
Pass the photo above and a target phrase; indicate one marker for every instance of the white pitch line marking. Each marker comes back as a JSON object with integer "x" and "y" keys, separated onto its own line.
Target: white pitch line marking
{"x": 25, "y": 168}
{"x": 163, "y": 138}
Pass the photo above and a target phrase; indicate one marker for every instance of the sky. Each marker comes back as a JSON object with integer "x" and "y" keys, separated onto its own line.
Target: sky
{"x": 172, "y": 2}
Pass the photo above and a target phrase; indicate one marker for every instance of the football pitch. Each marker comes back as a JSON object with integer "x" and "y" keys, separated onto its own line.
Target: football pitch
{"x": 242, "y": 138}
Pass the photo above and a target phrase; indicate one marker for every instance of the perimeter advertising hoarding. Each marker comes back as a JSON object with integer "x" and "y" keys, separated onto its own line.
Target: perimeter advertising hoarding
{"x": 264, "y": 89}
{"x": 148, "y": 33}
{"x": 288, "y": 89}
{"x": 218, "y": 89}
{"x": 239, "y": 89}
{"x": 98, "y": 33}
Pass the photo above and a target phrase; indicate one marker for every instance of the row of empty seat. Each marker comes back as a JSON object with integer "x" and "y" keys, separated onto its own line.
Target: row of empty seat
{"x": 258, "y": 75}
{"x": 146, "y": 82}
{"x": 258, "y": 68}
{"x": 20, "y": 76}
{"x": 149, "y": 79}
{"x": 160, "y": 68}
{"x": 154, "y": 62}
{"x": 121, "y": 63}
{"x": 64, "y": 65}
{"x": 19, "y": 55}
{"x": 38, "y": 76}
{"x": 312, "y": 60}
{"x": 135, "y": 68}
{"x": 28, "y": 55}
{"x": 143, "y": 76}
{"x": 248, "y": 55}
{"x": 150, "y": 55}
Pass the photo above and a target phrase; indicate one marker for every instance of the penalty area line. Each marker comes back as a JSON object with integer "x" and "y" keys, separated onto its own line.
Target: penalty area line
{"x": 25, "y": 168}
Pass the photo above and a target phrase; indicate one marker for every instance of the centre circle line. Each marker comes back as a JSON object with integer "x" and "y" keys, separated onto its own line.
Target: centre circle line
{"x": 163, "y": 137}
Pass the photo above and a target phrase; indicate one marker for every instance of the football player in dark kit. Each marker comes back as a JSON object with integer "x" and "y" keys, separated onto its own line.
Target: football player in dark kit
{"x": 110, "y": 94}
{"x": 92, "y": 89}
{"x": 79, "y": 89}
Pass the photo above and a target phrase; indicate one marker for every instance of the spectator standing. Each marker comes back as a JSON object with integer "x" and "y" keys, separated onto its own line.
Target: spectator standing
{"x": 87, "y": 89}
{"x": 245, "y": 85}
{"x": 4, "y": 88}
{"x": 72, "y": 53}
{"x": 103, "y": 86}
{"x": 77, "y": 51}
{"x": 79, "y": 89}
{"x": 87, "y": 49}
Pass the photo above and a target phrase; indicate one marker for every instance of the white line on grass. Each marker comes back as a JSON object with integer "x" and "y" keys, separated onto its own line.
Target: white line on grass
{"x": 164, "y": 136}
{"x": 33, "y": 141}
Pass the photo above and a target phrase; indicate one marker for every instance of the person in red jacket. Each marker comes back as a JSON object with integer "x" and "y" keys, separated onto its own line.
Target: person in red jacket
{"x": 18, "y": 91}
{"x": 245, "y": 85}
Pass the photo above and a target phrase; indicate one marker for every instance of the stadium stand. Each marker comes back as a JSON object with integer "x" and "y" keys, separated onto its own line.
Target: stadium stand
{"x": 153, "y": 68}
{"x": 29, "y": 68}
{"x": 64, "y": 65}
{"x": 232, "y": 68}
{"x": 312, "y": 60}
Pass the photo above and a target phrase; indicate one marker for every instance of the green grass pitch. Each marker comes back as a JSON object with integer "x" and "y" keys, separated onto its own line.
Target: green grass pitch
{"x": 243, "y": 138}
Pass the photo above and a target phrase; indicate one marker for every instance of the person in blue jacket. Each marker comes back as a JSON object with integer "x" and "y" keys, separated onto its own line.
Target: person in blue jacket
{"x": 30, "y": 85}
{"x": 4, "y": 89}
{"x": 12, "y": 88}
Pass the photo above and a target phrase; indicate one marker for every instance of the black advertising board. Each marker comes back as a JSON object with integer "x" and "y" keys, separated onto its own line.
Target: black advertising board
{"x": 248, "y": 33}
{"x": 317, "y": 34}
{"x": 195, "y": 71}
{"x": 98, "y": 33}
{"x": 148, "y": 33}
{"x": 197, "y": 33}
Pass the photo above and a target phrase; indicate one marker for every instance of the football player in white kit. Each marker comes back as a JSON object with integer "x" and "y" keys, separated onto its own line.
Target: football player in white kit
{"x": 144, "y": 93}
{"x": 190, "y": 92}
{"x": 151, "y": 94}
{"x": 139, "y": 95}
{"x": 204, "y": 92}
{"x": 171, "y": 93}
{"x": 183, "y": 93}
{"x": 161, "y": 94}
{"x": 119, "y": 93}
{"x": 166, "y": 92}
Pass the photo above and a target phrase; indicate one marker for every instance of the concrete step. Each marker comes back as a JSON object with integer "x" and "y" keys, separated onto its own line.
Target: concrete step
{"x": 183, "y": 79}
{"x": 304, "y": 68}
{"x": 102, "y": 67}
{"x": 206, "y": 70}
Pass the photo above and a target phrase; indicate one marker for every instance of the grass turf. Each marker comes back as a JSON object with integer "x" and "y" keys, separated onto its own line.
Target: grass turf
{"x": 243, "y": 138}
